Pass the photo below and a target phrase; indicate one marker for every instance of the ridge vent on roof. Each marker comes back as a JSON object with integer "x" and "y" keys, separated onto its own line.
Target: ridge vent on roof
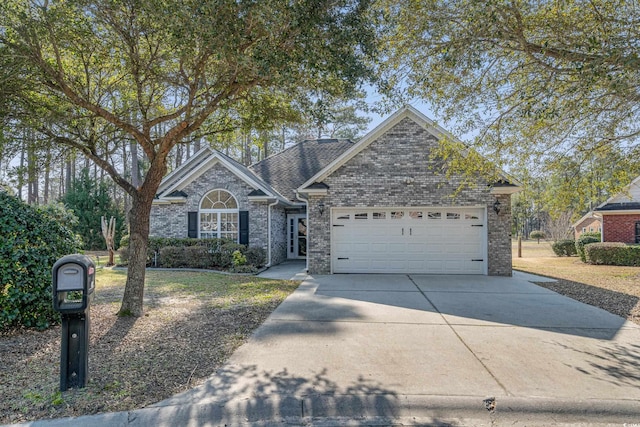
{"x": 327, "y": 140}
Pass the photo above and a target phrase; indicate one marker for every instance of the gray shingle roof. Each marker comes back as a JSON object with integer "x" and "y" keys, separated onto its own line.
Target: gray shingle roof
{"x": 619, "y": 206}
{"x": 177, "y": 194}
{"x": 290, "y": 168}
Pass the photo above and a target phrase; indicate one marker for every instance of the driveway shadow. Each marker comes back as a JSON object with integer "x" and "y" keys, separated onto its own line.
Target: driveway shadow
{"x": 455, "y": 300}
{"x": 260, "y": 395}
{"x": 279, "y": 397}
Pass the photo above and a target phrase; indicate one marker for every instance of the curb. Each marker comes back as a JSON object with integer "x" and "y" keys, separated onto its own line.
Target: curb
{"x": 375, "y": 410}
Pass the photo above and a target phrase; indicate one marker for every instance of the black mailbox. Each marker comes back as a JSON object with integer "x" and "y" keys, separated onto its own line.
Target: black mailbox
{"x": 73, "y": 283}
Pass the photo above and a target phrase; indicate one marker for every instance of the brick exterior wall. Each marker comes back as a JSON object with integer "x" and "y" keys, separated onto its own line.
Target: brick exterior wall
{"x": 588, "y": 223}
{"x": 278, "y": 235}
{"x": 171, "y": 220}
{"x": 377, "y": 177}
{"x": 619, "y": 228}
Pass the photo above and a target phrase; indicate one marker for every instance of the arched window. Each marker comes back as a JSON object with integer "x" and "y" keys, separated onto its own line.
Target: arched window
{"x": 218, "y": 216}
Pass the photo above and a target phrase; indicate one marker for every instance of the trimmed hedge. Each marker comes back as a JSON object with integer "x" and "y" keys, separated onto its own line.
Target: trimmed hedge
{"x": 564, "y": 248}
{"x": 613, "y": 253}
{"x": 583, "y": 240}
{"x": 197, "y": 253}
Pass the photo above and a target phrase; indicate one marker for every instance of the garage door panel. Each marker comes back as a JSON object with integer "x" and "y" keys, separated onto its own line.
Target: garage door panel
{"x": 417, "y": 240}
{"x": 378, "y": 248}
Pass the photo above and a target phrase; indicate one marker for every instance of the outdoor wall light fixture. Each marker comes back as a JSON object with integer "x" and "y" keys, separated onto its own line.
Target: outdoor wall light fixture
{"x": 496, "y": 207}
{"x": 321, "y": 208}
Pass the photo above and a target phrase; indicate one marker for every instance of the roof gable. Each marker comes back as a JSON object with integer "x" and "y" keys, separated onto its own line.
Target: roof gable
{"x": 628, "y": 199}
{"x": 202, "y": 161}
{"x": 506, "y": 185}
{"x": 588, "y": 216}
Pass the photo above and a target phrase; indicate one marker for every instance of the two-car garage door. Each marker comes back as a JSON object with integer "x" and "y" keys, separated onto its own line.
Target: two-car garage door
{"x": 409, "y": 240}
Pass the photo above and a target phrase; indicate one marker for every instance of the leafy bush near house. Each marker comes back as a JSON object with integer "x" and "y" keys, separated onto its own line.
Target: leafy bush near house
{"x": 613, "y": 253}
{"x": 172, "y": 257}
{"x": 199, "y": 253}
{"x": 595, "y": 234}
{"x": 564, "y": 248}
{"x": 197, "y": 257}
{"x": 256, "y": 256}
{"x": 223, "y": 258}
{"x": 33, "y": 239}
{"x": 583, "y": 240}
{"x": 157, "y": 243}
{"x": 238, "y": 258}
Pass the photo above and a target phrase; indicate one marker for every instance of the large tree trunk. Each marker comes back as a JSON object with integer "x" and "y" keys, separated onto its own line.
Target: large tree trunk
{"x": 132, "y": 301}
{"x": 141, "y": 201}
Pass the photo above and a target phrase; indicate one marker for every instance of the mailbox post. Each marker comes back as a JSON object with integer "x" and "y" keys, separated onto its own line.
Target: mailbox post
{"x": 73, "y": 286}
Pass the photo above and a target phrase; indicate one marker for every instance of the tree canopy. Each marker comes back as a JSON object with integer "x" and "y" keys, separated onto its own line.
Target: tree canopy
{"x": 536, "y": 81}
{"x": 94, "y": 74}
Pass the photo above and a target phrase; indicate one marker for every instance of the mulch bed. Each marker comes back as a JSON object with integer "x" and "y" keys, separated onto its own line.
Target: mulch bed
{"x": 132, "y": 362}
{"x": 621, "y": 304}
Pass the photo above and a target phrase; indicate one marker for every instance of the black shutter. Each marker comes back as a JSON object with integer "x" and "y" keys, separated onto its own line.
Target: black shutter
{"x": 192, "y": 227}
{"x": 244, "y": 227}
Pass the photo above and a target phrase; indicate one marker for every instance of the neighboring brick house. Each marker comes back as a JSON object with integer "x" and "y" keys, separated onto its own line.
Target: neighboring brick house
{"x": 588, "y": 223}
{"x": 621, "y": 215}
{"x": 374, "y": 206}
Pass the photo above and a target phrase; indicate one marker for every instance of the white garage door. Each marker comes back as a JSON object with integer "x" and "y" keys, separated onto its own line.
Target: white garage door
{"x": 409, "y": 240}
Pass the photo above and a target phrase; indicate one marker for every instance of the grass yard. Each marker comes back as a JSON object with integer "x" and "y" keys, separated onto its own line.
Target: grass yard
{"x": 193, "y": 322}
{"x": 612, "y": 288}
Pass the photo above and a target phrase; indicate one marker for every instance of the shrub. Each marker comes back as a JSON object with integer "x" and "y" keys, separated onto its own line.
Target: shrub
{"x": 172, "y": 257}
{"x": 564, "y": 248}
{"x": 124, "y": 241}
{"x": 595, "y": 234}
{"x": 238, "y": 258}
{"x": 256, "y": 256}
{"x": 223, "y": 258}
{"x": 199, "y": 253}
{"x": 613, "y": 253}
{"x": 583, "y": 240}
{"x": 196, "y": 257}
{"x": 32, "y": 241}
{"x": 537, "y": 235}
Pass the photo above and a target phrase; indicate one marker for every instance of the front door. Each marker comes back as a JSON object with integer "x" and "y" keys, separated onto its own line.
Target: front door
{"x": 297, "y": 236}
{"x": 638, "y": 232}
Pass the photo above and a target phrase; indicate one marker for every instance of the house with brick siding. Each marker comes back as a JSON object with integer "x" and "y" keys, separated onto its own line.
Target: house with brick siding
{"x": 376, "y": 206}
{"x": 620, "y": 215}
{"x": 587, "y": 224}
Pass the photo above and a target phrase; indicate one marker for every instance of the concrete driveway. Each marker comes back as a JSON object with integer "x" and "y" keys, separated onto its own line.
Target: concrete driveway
{"x": 450, "y": 349}
{"x": 417, "y": 350}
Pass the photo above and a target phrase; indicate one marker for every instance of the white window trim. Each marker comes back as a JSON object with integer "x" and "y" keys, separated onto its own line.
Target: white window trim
{"x": 219, "y": 233}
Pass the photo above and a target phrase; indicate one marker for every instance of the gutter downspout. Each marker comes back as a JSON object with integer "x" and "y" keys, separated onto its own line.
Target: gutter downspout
{"x": 306, "y": 202}
{"x": 269, "y": 232}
